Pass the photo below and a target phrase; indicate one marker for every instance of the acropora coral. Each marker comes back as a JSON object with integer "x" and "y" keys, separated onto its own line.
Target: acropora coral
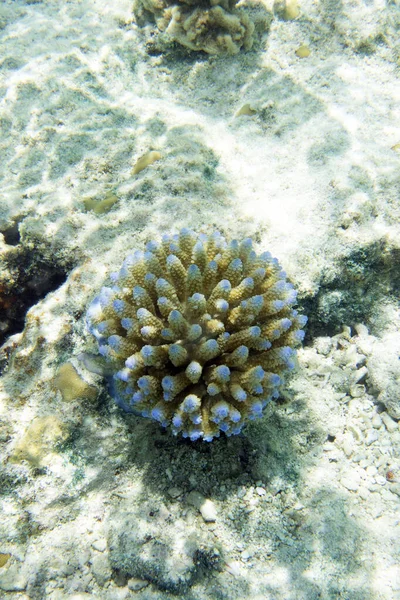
{"x": 198, "y": 332}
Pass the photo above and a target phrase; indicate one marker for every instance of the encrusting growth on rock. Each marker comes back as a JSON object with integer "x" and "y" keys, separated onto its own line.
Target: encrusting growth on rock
{"x": 199, "y": 333}
{"x": 213, "y": 26}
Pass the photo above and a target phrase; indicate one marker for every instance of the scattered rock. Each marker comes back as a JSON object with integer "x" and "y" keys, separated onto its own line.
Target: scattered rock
{"x": 174, "y": 492}
{"x": 100, "y": 545}
{"x": 351, "y": 482}
{"x": 101, "y": 569}
{"x": 206, "y": 507}
{"x": 137, "y": 584}
{"x": 390, "y": 424}
{"x": 13, "y": 578}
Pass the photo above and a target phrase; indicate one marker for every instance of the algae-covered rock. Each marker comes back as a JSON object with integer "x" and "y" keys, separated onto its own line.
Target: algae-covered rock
{"x": 37, "y": 443}
{"x": 213, "y": 27}
{"x": 71, "y": 385}
{"x": 146, "y": 160}
{"x": 4, "y": 558}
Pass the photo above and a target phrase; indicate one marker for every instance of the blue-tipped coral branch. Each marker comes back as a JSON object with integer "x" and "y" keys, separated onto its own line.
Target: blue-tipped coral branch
{"x": 198, "y": 333}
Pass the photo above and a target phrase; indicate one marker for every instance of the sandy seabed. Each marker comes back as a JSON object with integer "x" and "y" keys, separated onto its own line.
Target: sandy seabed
{"x": 304, "y": 504}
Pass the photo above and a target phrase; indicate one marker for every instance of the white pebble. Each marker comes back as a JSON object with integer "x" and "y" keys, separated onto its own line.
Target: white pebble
{"x": 357, "y": 390}
{"x": 358, "y": 458}
{"x": 260, "y": 491}
{"x": 137, "y": 584}
{"x": 233, "y": 567}
{"x": 323, "y": 345}
{"x": 371, "y": 470}
{"x": 376, "y": 421}
{"x": 100, "y": 545}
{"x": 359, "y": 374}
{"x": 390, "y": 423}
{"x": 361, "y": 329}
{"x": 204, "y": 505}
{"x": 380, "y": 480}
{"x": 355, "y": 431}
{"x": 241, "y": 492}
{"x": 351, "y": 482}
{"x": 348, "y": 445}
{"x": 372, "y": 436}
{"x": 208, "y": 511}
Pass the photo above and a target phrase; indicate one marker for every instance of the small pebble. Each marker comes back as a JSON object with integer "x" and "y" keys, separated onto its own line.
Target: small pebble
{"x": 390, "y": 423}
{"x": 376, "y": 421}
{"x": 363, "y": 493}
{"x": 137, "y": 584}
{"x": 204, "y": 505}
{"x": 372, "y": 436}
{"x": 360, "y": 374}
{"x": 355, "y": 431}
{"x": 358, "y": 457}
{"x": 241, "y": 492}
{"x": 395, "y": 488}
{"x": 174, "y": 492}
{"x": 323, "y": 345}
{"x": 100, "y": 545}
{"x": 380, "y": 480}
{"x": 233, "y": 567}
{"x": 371, "y": 470}
{"x": 361, "y": 329}
{"x": 351, "y": 482}
{"x": 208, "y": 511}
{"x": 347, "y": 445}
{"x": 303, "y": 51}
{"x": 357, "y": 390}
{"x": 374, "y": 487}
{"x": 260, "y": 491}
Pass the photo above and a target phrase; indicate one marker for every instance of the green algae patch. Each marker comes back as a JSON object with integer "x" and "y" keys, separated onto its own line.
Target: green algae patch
{"x": 246, "y": 110}
{"x": 4, "y": 558}
{"x": 100, "y": 207}
{"x": 288, "y": 10}
{"x": 144, "y": 161}
{"x": 36, "y": 445}
{"x": 303, "y": 51}
{"x": 72, "y": 386}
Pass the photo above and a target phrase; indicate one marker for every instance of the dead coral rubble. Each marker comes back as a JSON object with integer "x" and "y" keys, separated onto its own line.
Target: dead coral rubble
{"x": 215, "y": 27}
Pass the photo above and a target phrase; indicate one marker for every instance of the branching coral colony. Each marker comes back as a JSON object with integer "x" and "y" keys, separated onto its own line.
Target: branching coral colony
{"x": 214, "y": 26}
{"x": 199, "y": 333}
